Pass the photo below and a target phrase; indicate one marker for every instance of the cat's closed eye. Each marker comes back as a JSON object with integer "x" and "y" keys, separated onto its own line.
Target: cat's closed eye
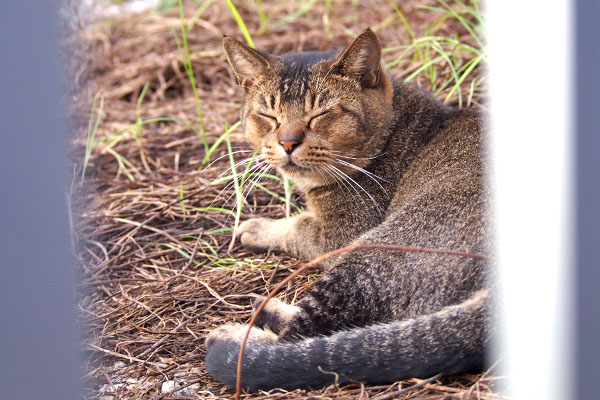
{"x": 269, "y": 118}
{"x": 313, "y": 121}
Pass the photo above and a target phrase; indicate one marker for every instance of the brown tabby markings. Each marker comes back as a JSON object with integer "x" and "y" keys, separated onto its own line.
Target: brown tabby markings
{"x": 379, "y": 162}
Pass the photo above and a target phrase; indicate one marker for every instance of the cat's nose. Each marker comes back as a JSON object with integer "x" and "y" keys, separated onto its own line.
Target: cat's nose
{"x": 291, "y": 136}
{"x": 289, "y": 145}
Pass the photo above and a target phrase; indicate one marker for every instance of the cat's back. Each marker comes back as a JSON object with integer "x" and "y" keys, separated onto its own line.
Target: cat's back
{"x": 440, "y": 200}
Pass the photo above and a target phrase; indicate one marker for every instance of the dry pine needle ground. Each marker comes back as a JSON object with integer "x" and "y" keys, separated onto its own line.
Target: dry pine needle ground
{"x": 155, "y": 273}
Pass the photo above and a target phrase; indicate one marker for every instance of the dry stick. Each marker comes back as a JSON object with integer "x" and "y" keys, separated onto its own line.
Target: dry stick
{"x": 314, "y": 262}
{"x": 419, "y": 385}
{"x": 164, "y": 338}
{"x": 139, "y": 225}
{"x": 186, "y": 266}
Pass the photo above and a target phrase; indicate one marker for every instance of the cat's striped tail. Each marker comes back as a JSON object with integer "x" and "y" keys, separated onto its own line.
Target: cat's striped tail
{"x": 451, "y": 341}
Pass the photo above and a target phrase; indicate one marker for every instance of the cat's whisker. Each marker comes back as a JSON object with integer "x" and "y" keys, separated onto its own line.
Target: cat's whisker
{"x": 239, "y": 164}
{"x": 359, "y": 186}
{"x": 249, "y": 173}
{"x": 342, "y": 179}
{"x": 340, "y": 154}
{"x": 318, "y": 170}
{"x": 256, "y": 179}
{"x": 325, "y": 173}
{"x": 369, "y": 174}
{"x": 232, "y": 183}
{"x": 255, "y": 174}
{"x": 227, "y": 155}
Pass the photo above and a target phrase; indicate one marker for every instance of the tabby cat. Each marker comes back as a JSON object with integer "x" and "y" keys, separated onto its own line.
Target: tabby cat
{"x": 379, "y": 162}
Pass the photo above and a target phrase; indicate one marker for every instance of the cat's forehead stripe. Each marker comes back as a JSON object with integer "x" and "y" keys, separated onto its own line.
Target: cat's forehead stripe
{"x": 294, "y": 82}
{"x": 295, "y": 78}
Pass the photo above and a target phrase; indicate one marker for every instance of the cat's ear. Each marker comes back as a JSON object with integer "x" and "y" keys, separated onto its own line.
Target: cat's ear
{"x": 361, "y": 60}
{"x": 247, "y": 64}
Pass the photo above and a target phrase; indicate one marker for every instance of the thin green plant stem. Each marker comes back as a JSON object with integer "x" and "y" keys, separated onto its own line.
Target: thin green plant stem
{"x": 240, "y": 22}
{"x": 278, "y": 197}
{"x": 436, "y": 46}
{"x": 220, "y": 140}
{"x": 238, "y": 192}
{"x": 459, "y": 71}
{"x": 288, "y": 195}
{"x": 122, "y": 163}
{"x": 198, "y": 13}
{"x": 217, "y": 209}
{"x": 468, "y": 26}
{"x": 295, "y": 15}
{"x": 326, "y": 23}
{"x": 91, "y": 134}
{"x": 422, "y": 68}
{"x": 264, "y": 21}
{"x": 182, "y": 200}
{"x": 138, "y": 119}
{"x": 187, "y": 64}
{"x": 406, "y": 24}
{"x": 473, "y": 64}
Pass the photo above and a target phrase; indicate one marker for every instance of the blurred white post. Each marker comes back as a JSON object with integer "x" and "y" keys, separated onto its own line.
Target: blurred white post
{"x": 531, "y": 55}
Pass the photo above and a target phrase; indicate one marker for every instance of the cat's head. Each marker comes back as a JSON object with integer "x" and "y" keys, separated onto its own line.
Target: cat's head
{"x": 319, "y": 116}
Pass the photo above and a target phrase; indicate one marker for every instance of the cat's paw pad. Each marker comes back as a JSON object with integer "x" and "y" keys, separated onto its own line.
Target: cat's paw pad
{"x": 276, "y": 315}
{"x": 255, "y": 235}
{"x": 235, "y": 333}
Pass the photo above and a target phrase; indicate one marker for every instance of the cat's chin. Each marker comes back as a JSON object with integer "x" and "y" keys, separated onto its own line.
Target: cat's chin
{"x": 305, "y": 178}
{"x": 292, "y": 169}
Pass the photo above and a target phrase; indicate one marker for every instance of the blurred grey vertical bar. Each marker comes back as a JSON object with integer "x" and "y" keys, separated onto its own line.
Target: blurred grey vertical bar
{"x": 38, "y": 338}
{"x": 587, "y": 243}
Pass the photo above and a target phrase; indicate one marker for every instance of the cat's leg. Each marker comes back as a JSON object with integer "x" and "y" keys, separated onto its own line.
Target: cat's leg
{"x": 333, "y": 303}
{"x": 298, "y": 235}
{"x": 276, "y": 316}
{"x": 236, "y": 332}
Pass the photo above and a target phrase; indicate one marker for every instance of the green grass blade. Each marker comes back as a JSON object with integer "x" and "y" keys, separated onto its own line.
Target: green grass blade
{"x": 240, "y": 22}
{"x": 91, "y": 134}
{"x": 422, "y": 68}
{"x": 217, "y": 209}
{"x": 473, "y": 63}
{"x": 116, "y": 134}
{"x": 264, "y": 21}
{"x": 138, "y": 120}
{"x": 187, "y": 65}
{"x": 466, "y": 23}
{"x": 407, "y": 26}
{"x": 198, "y": 13}
{"x": 326, "y": 23}
{"x": 436, "y": 46}
{"x": 277, "y": 196}
{"x": 122, "y": 162}
{"x": 295, "y": 15}
{"x": 288, "y": 195}
{"x": 184, "y": 253}
{"x": 220, "y": 140}
{"x": 238, "y": 192}
{"x": 182, "y": 201}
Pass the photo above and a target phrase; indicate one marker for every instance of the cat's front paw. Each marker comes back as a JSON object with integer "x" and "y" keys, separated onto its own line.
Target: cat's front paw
{"x": 276, "y": 315}
{"x": 258, "y": 235}
{"x": 234, "y": 333}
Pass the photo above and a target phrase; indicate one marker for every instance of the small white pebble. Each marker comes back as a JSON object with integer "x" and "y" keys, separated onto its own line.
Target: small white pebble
{"x": 119, "y": 365}
{"x": 168, "y": 386}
